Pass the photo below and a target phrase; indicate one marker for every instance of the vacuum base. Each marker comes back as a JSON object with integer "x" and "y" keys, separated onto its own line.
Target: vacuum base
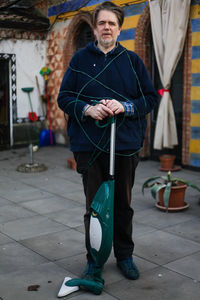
{"x": 93, "y": 286}
{"x": 66, "y": 290}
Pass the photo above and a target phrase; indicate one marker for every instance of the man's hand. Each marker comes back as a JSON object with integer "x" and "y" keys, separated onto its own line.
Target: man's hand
{"x": 115, "y": 106}
{"x": 99, "y": 111}
{"x": 107, "y": 108}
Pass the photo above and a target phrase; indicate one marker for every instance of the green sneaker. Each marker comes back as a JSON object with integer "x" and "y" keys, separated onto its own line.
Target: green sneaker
{"x": 128, "y": 268}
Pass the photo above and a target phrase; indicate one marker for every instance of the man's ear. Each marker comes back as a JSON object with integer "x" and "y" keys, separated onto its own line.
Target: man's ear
{"x": 119, "y": 31}
{"x": 94, "y": 32}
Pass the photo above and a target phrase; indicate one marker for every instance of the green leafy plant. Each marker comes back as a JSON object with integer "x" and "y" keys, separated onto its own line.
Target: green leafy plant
{"x": 157, "y": 183}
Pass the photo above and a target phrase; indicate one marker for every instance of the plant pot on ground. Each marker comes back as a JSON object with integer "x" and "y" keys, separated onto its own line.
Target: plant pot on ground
{"x": 176, "y": 199}
{"x": 169, "y": 191}
{"x": 167, "y": 163}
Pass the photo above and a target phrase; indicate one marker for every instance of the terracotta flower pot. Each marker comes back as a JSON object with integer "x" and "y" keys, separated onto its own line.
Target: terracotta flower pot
{"x": 176, "y": 199}
{"x": 167, "y": 161}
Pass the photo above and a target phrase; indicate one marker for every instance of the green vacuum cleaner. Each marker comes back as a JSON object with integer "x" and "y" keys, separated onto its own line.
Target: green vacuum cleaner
{"x": 101, "y": 228}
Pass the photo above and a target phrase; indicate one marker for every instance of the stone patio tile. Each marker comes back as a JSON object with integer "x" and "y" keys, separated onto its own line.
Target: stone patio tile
{"x": 81, "y": 229}
{"x": 49, "y": 184}
{"x": 49, "y": 205}
{"x": 74, "y": 264}
{"x": 58, "y": 245}
{"x": 5, "y": 178}
{"x": 189, "y": 229}
{"x": 160, "y": 219}
{"x": 89, "y": 296}
{"x": 140, "y": 203}
{"x": 4, "y": 201}
{"x": 71, "y": 217}
{"x": 15, "y": 256}
{"x": 156, "y": 284}
{"x": 188, "y": 266}
{"x": 140, "y": 229}
{"x": 30, "y": 227}
{"x": 38, "y": 179}
{"x": 13, "y": 212}
{"x": 22, "y": 192}
{"x": 161, "y": 247}
{"x": 194, "y": 209}
{"x": 5, "y": 239}
{"x": 70, "y": 175}
{"x": 7, "y": 183}
{"x": 48, "y": 276}
{"x": 75, "y": 195}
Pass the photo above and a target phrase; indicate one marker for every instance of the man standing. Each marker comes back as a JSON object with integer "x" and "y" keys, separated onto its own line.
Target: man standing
{"x": 105, "y": 79}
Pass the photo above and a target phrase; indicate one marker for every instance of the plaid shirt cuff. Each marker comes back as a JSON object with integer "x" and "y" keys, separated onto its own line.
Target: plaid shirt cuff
{"x": 83, "y": 111}
{"x": 128, "y": 109}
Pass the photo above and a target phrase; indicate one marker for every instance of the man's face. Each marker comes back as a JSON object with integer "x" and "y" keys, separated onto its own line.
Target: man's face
{"x": 107, "y": 29}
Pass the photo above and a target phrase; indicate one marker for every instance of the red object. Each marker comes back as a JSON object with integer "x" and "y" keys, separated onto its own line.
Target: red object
{"x": 161, "y": 91}
{"x": 32, "y": 116}
{"x": 71, "y": 163}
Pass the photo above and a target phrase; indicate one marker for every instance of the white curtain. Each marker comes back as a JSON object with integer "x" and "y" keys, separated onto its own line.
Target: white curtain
{"x": 169, "y": 22}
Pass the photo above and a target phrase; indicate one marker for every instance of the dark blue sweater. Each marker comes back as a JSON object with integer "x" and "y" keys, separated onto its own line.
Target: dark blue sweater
{"x": 93, "y": 75}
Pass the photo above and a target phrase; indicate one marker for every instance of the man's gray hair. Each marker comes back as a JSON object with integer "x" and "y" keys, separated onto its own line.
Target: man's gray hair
{"x": 117, "y": 10}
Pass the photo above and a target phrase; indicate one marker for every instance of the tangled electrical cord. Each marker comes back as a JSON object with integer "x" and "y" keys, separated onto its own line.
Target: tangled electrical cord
{"x": 97, "y": 101}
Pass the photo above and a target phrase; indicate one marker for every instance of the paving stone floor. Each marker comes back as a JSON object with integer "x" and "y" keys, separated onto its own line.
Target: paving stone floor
{"x": 42, "y": 234}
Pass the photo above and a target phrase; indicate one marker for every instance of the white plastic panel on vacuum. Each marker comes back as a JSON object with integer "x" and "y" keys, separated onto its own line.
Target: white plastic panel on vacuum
{"x": 95, "y": 233}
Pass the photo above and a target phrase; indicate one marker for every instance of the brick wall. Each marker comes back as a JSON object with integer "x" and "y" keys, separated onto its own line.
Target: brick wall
{"x": 186, "y": 98}
{"x": 142, "y": 48}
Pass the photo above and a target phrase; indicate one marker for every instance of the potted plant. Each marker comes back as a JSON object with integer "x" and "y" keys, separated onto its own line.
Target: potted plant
{"x": 167, "y": 162}
{"x": 170, "y": 191}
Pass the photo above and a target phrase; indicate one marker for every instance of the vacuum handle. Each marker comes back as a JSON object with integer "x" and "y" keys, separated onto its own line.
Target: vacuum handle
{"x": 112, "y": 148}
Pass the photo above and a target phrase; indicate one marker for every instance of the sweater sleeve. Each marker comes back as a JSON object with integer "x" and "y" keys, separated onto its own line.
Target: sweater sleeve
{"x": 68, "y": 97}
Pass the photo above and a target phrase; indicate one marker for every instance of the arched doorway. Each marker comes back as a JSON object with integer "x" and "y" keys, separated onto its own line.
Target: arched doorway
{"x": 85, "y": 36}
{"x": 79, "y": 34}
{"x": 62, "y": 44}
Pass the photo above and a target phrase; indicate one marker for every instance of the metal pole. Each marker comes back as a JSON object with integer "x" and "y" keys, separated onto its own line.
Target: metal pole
{"x": 31, "y": 154}
{"x": 112, "y": 148}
